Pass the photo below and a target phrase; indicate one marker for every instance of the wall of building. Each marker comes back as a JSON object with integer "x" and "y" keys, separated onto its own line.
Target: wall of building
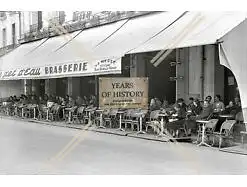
{"x": 8, "y": 88}
{"x": 212, "y": 76}
{"x": 182, "y": 73}
{"x": 7, "y": 24}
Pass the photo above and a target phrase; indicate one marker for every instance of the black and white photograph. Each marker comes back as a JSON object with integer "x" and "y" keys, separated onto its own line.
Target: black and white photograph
{"x": 123, "y": 92}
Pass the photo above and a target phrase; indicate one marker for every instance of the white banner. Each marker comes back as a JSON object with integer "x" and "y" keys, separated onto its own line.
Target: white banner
{"x": 73, "y": 69}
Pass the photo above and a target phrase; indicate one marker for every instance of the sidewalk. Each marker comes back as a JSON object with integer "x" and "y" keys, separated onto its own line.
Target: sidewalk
{"x": 94, "y": 129}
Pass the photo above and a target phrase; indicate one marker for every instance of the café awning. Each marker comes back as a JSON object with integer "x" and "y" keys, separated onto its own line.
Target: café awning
{"x": 233, "y": 55}
{"x": 191, "y": 29}
{"x": 99, "y": 50}
{"x": 38, "y": 60}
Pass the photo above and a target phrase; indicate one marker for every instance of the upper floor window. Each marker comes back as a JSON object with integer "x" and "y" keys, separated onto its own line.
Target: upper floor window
{"x": 13, "y": 34}
{"x": 4, "y": 37}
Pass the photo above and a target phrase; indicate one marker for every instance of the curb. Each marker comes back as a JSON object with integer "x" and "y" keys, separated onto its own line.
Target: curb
{"x": 132, "y": 135}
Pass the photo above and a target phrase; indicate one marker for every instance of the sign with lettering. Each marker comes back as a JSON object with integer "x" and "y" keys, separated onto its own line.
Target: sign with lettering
{"x": 123, "y": 92}
{"x": 78, "y": 68}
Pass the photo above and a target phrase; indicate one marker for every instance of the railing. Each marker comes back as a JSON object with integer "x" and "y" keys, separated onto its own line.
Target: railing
{"x": 80, "y": 23}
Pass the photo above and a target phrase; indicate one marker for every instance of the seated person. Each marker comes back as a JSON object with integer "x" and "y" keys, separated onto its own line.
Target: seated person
{"x": 41, "y": 101}
{"x": 79, "y": 101}
{"x": 218, "y": 105}
{"x": 33, "y": 100}
{"x": 10, "y": 99}
{"x": 165, "y": 104}
{"x": 155, "y": 104}
{"x": 25, "y": 100}
{"x": 198, "y": 107}
{"x": 207, "y": 110}
{"x": 180, "y": 115}
{"x": 46, "y": 98}
{"x": 15, "y": 99}
{"x": 63, "y": 102}
{"x": 92, "y": 102}
{"x": 71, "y": 102}
{"x": 236, "y": 106}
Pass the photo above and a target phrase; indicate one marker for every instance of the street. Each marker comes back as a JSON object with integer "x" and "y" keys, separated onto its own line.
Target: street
{"x": 32, "y": 148}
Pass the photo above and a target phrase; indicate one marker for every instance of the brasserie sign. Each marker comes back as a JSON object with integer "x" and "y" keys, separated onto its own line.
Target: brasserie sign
{"x": 123, "y": 92}
{"x": 78, "y": 68}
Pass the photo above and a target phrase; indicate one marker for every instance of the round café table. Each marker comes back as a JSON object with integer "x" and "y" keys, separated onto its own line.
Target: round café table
{"x": 162, "y": 121}
{"x": 120, "y": 120}
{"x": 203, "y": 142}
{"x": 100, "y": 112}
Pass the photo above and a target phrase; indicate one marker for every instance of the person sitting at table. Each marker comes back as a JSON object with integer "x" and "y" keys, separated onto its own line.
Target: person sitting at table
{"x": 155, "y": 104}
{"x": 71, "y": 102}
{"x": 180, "y": 115}
{"x": 45, "y": 98}
{"x": 15, "y": 99}
{"x": 236, "y": 108}
{"x": 198, "y": 107}
{"x": 25, "y": 100}
{"x": 206, "y": 111}
{"x": 79, "y": 101}
{"x": 191, "y": 103}
{"x": 92, "y": 102}
{"x": 33, "y": 100}
{"x": 218, "y": 105}
{"x": 67, "y": 98}
{"x": 10, "y": 99}
{"x": 165, "y": 104}
{"x": 41, "y": 101}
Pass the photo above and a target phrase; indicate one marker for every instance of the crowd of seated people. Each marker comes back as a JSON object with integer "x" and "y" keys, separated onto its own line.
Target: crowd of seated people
{"x": 179, "y": 115}
{"x": 185, "y": 116}
{"x": 51, "y": 100}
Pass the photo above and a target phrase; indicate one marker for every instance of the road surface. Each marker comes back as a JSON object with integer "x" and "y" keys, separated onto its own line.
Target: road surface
{"x": 32, "y": 148}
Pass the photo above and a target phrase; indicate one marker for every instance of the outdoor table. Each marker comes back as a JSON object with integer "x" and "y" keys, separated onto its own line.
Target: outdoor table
{"x": 16, "y": 109}
{"x": 120, "y": 120}
{"x": 162, "y": 115}
{"x": 70, "y": 114}
{"x": 203, "y": 122}
{"x": 22, "y": 110}
{"x": 243, "y": 133}
{"x": 227, "y": 116}
{"x": 47, "y": 113}
{"x": 63, "y": 109}
{"x": 100, "y": 111}
{"x": 88, "y": 111}
{"x": 140, "y": 114}
{"x": 34, "y": 106}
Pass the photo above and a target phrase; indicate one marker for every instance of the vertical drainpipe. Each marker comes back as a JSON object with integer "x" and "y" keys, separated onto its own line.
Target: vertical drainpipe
{"x": 202, "y": 71}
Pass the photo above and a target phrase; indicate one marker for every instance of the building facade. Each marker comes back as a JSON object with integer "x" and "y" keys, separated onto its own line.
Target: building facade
{"x": 185, "y": 72}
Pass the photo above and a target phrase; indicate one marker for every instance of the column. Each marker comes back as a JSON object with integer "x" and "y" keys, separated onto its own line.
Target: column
{"x": 50, "y": 86}
{"x": 182, "y": 73}
{"x": 27, "y": 87}
{"x": 195, "y": 75}
{"x": 36, "y": 87}
{"x": 74, "y": 87}
{"x": 137, "y": 65}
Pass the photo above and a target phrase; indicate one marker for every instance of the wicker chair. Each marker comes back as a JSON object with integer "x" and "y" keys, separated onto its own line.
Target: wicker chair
{"x": 78, "y": 116}
{"x": 127, "y": 118}
{"x": 153, "y": 121}
{"x": 225, "y": 132}
{"x": 111, "y": 117}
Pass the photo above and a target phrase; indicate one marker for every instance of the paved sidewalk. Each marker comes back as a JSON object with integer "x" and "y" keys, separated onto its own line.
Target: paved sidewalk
{"x": 95, "y": 129}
